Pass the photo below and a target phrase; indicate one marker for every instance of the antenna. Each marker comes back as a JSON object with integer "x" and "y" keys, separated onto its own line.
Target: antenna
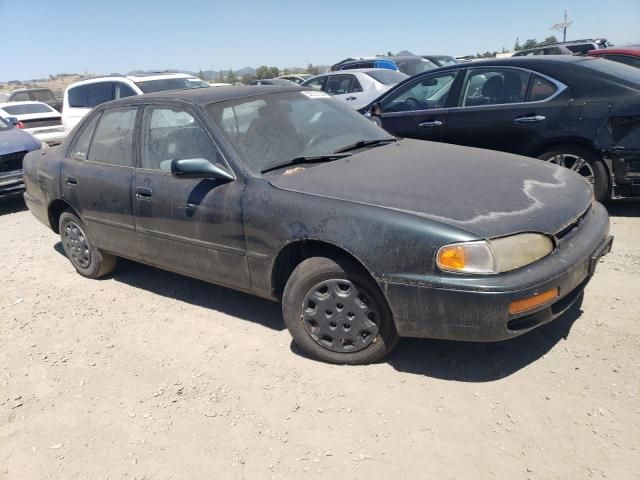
{"x": 562, "y": 26}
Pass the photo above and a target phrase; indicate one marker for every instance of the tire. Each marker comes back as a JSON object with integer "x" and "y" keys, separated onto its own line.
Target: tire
{"x": 88, "y": 260}
{"x": 593, "y": 168}
{"x": 336, "y": 313}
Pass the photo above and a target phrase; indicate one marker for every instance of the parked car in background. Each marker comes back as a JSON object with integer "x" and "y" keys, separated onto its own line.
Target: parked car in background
{"x": 629, "y": 55}
{"x": 272, "y": 81}
{"x": 356, "y": 87}
{"x": 409, "y": 65}
{"x": 441, "y": 60}
{"x": 36, "y": 118}
{"x": 362, "y": 237}
{"x": 297, "y": 77}
{"x": 579, "y": 112}
{"x": 220, "y": 84}
{"x": 574, "y": 47}
{"x": 14, "y": 145}
{"x": 81, "y": 97}
{"x": 44, "y": 95}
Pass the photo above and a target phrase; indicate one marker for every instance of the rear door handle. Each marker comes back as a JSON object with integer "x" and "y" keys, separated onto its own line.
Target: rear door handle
{"x": 143, "y": 193}
{"x": 529, "y": 119}
{"x": 430, "y": 124}
{"x": 72, "y": 180}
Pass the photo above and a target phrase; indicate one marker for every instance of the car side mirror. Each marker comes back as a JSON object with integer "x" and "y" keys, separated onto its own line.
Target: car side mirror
{"x": 13, "y": 121}
{"x": 375, "y": 110}
{"x": 199, "y": 168}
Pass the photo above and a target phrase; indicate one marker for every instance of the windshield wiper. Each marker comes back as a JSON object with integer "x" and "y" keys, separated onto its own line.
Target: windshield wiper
{"x": 365, "y": 143}
{"x": 307, "y": 159}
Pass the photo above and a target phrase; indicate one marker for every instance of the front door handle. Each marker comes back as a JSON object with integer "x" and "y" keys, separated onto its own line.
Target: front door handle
{"x": 430, "y": 124}
{"x": 72, "y": 180}
{"x": 529, "y": 119}
{"x": 349, "y": 99}
{"x": 143, "y": 193}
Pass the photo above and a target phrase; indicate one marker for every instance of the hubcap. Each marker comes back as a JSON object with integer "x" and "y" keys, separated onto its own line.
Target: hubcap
{"x": 340, "y": 316}
{"x": 575, "y": 163}
{"x": 76, "y": 245}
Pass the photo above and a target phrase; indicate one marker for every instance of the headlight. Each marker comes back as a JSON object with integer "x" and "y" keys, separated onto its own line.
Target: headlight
{"x": 494, "y": 256}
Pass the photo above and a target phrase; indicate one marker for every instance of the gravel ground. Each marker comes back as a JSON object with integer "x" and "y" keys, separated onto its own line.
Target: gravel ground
{"x": 147, "y": 374}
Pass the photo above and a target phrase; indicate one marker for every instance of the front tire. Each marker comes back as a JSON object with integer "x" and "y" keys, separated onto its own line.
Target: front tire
{"x": 336, "y": 313}
{"x": 88, "y": 260}
{"x": 584, "y": 162}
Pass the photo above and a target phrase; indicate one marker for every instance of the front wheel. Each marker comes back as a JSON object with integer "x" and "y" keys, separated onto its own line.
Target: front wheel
{"x": 336, "y": 313}
{"x": 584, "y": 162}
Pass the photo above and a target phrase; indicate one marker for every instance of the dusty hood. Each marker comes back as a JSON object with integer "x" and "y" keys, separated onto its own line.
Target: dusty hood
{"x": 484, "y": 192}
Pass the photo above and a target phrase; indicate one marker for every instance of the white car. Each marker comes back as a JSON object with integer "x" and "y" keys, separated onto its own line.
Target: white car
{"x": 81, "y": 97}
{"x": 357, "y": 87}
{"x": 36, "y": 118}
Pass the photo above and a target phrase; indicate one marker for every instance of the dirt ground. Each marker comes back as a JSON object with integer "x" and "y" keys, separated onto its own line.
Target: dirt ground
{"x": 147, "y": 374}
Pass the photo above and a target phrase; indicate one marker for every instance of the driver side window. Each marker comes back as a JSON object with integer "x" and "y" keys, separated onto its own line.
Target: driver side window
{"x": 425, "y": 94}
{"x": 172, "y": 134}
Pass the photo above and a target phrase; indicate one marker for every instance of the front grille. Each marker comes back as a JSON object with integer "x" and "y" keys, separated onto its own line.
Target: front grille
{"x": 11, "y": 161}
{"x": 42, "y": 122}
{"x": 572, "y": 226}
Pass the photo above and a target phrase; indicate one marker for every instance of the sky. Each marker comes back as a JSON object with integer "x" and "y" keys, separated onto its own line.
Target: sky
{"x": 43, "y": 37}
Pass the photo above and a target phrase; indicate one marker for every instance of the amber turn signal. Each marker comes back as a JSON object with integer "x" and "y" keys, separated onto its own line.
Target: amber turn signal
{"x": 526, "y": 304}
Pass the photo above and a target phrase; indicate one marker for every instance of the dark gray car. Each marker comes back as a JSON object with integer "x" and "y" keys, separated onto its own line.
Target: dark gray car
{"x": 287, "y": 194}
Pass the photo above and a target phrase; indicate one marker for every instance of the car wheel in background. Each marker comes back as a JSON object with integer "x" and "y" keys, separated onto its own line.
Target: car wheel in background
{"x": 336, "y": 312}
{"x": 586, "y": 163}
{"x": 88, "y": 260}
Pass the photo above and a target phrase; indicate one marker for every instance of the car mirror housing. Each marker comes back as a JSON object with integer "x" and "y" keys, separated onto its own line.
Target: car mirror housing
{"x": 375, "y": 110}
{"x": 199, "y": 168}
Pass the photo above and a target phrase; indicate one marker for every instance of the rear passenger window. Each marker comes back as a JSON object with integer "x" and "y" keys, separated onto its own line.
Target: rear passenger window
{"x": 43, "y": 96}
{"x": 495, "y": 87}
{"x": 81, "y": 147}
{"x": 113, "y": 140}
{"x": 541, "y": 89}
{"x": 78, "y": 96}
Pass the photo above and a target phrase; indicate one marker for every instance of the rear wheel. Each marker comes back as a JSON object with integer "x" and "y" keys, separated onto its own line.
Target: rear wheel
{"x": 88, "y": 260}
{"x": 584, "y": 162}
{"x": 336, "y": 313}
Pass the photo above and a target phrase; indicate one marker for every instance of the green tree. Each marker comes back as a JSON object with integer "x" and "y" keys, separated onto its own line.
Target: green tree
{"x": 530, "y": 43}
{"x": 231, "y": 77}
{"x": 313, "y": 70}
{"x": 262, "y": 72}
{"x": 549, "y": 40}
{"x": 248, "y": 78}
{"x": 201, "y": 75}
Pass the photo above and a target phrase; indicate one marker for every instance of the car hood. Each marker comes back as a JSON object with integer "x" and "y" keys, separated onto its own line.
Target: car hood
{"x": 487, "y": 193}
{"x": 15, "y": 140}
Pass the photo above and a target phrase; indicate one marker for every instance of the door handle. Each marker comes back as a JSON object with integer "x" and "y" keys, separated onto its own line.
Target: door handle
{"x": 529, "y": 119}
{"x": 191, "y": 208}
{"x": 143, "y": 193}
{"x": 430, "y": 124}
{"x": 351, "y": 98}
{"x": 72, "y": 180}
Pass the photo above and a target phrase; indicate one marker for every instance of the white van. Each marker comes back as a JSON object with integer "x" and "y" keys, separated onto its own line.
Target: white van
{"x": 81, "y": 97}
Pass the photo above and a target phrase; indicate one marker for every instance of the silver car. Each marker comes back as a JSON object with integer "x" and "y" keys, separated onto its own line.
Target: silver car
{"x": 357, "y": 87}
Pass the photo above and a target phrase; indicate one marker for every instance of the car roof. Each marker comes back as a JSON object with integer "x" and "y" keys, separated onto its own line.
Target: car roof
{"x": 519, "y": 61}
{"x": 207, "y": 95}
{"x": 29, "y": 102}
{"x": 353, "y": 70}
{"x": 134, "y": 78}
{"x": 18, "y": 90}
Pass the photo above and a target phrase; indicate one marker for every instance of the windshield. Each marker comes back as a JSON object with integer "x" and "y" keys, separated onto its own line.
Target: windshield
{"x": 150, "y": 86}
{"x": 278, "y": 127}
{"x": 623, "y": 72}
{"x": 414, "y": 67}
{"x": 27, "y": 109}
{"x": 388, "y": 77}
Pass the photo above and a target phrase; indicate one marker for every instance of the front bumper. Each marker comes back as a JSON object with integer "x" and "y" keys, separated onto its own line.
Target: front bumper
{"x": 11, "y": 183}
{"x": 473, "y": 308}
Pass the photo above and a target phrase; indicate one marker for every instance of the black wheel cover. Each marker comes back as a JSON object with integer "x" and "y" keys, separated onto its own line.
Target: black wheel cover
{"x": 340, "y": 316}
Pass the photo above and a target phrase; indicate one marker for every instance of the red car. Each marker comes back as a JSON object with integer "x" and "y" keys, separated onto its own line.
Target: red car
{"x": 629, "y": 54}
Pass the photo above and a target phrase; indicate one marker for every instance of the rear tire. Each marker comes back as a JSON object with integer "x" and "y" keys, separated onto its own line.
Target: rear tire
{"x": 88, "y": 260}
{"x": 336, "y": 312}
{"x": 585, "y": 162}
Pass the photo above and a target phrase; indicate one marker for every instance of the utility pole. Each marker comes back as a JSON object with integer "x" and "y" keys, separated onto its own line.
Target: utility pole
{"x": 562, "y": 27}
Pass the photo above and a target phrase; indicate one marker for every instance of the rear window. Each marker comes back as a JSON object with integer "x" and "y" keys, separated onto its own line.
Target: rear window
{"x": 27, "y": 109}
{"x": 165, "y": 84}
{"x": 617, "y": 70}
{"x": 43, "y": 96}
{"x": 388, "y": 77}
{"x": 582, "y": 48}
{"x": 91, "y": 95}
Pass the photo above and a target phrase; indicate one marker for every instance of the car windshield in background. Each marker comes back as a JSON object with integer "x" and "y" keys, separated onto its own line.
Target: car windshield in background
{"x": 165, "y": 84}
{"x": 388, "y": 77}
{"x": 414, "y": 67}
{"x": 624, "y": 72}
{"x": 446, "y": 61}
{"x": 27, "y": 109}
{"x": 3, "y": 124}
{"x": 280, "y": 127}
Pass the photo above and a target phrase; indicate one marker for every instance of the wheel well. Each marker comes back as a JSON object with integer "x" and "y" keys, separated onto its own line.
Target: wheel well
{"x": 55, "y": 210}
{"x": 579, "y": 142}
{"x": 295, "y": 253}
